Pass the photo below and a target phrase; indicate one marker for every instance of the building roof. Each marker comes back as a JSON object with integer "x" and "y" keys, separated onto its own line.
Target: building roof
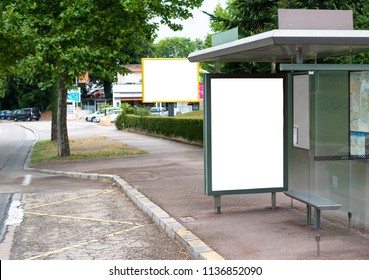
{"x": 134, "y": 67}
{"x": 282, "y": 45}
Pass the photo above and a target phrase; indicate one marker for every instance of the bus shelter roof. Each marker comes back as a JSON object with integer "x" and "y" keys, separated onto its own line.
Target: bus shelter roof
{"x": 284, "y": 45}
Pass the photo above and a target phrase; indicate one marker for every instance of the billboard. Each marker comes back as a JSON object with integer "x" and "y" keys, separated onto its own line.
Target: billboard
{"x": 169, "y": 80}
{"x": 245, "y": 144}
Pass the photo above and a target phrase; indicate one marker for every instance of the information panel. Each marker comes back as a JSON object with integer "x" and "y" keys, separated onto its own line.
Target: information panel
{"x": 245, "y": 143}
{"x": 359, "y": 118}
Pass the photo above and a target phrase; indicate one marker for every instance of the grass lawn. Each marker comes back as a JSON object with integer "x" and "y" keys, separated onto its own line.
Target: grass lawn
{"x": 86, "y": 148}
{"x": 192, "y": 115}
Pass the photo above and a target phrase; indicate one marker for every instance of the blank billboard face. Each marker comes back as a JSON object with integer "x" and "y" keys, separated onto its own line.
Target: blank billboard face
{"x": 170, "y": 80}
{"x": 247, "y": 134}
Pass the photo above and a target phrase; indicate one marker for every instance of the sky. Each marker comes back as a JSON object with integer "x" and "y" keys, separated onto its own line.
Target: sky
{"x": 196, "y": 27}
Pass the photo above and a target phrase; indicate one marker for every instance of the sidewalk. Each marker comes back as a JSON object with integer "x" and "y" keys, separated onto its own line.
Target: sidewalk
{"x": 171, "y": 176}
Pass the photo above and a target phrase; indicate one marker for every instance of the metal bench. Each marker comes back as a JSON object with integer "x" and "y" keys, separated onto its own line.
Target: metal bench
{"x": 312, "y": 200}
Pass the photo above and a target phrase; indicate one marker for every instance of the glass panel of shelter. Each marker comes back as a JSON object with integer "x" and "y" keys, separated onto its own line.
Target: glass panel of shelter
{"x": 330, "y": 145}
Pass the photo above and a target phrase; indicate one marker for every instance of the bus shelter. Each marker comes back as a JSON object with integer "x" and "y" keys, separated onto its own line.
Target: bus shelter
{"x": 303, "y": 131}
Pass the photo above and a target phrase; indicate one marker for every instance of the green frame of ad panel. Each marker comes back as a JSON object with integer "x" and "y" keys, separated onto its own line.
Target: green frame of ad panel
{"x": 208, "y": 148}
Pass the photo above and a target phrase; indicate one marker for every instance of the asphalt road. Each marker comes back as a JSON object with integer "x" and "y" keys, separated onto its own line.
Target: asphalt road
{"x": 48, "y": 216}
{"x": 15, "y": 144}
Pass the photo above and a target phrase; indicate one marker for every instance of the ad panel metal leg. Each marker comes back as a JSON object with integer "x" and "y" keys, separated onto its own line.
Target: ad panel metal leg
{"x": 217, "y": 204}
{"x": 274, "y": 200}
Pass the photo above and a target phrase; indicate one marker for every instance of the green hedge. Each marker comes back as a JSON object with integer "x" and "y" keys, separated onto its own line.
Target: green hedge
{"x": 189, "y": 129}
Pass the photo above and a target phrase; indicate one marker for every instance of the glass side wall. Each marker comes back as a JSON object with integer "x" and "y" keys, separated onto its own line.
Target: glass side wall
{"x": 338, "y": 119}
{"x": 329, "y": 156}
{"x": 330, "y": 177}
{"x": 299, "y": 148}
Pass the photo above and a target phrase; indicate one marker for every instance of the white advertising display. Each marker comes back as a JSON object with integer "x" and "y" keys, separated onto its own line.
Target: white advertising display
{"x": 170, "y": 80}
{"x": 247, "y": 138}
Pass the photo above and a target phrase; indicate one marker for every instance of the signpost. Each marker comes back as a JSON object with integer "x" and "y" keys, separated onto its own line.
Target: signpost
{"x": 74, "y": 97}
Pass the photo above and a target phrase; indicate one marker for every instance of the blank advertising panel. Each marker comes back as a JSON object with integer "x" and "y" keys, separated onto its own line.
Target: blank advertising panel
{"x": 246, "y": 144}
{"x": 170, "y": 80}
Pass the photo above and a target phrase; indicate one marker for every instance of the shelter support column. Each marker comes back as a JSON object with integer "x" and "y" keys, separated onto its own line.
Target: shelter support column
{"x": 217, "y": 67}
{"x": 299, "y": 55}
{"x": 274, "y": 195}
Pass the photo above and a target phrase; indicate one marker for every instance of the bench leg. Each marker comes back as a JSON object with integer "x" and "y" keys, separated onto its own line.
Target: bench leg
{"x": 308, "y": 215}
{"x": 317, "y": 219}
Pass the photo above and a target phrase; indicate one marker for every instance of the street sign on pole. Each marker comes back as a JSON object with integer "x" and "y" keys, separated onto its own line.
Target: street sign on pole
{"x": 74, "y": 95}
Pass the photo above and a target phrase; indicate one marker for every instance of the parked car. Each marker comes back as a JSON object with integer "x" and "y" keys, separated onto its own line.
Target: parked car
{"x": 6, "y": 114}
{"x": 92, "y": 117}
{"x": 13, "y": 114}
{"x": 155, "y": 111}
{"x": 96, "y": 93}
{"x": 113, "y": 112}
{"x": 21, "y": 115}
{"x": 34, "y": 113}
{"x": 27, "y": 114}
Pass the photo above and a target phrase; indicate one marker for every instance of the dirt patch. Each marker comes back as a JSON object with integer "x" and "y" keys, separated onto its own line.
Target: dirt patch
{"x": 46, "y": 116}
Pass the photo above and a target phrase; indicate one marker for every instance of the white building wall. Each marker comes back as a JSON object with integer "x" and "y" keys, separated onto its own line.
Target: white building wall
{"x": 130, "y": 78}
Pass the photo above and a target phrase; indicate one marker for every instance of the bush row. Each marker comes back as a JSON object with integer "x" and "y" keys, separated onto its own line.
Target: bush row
{"x": 189, "y": 129}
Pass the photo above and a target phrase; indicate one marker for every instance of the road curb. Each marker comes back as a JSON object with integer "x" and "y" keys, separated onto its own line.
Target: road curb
{"x": 193, "y": 245}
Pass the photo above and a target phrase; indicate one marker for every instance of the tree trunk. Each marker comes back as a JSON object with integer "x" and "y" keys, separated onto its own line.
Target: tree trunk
{"x": 54, "y": 126}
{"x": 63, "y": 141}
{"x": 108, "y": 89}
{"x": 54, "y": 111}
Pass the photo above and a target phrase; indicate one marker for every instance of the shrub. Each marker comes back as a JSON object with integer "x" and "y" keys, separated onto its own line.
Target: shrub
{"x": 189, "y": 129}
{"x": 127, "y": 108}
{"x": 142, "y": 111}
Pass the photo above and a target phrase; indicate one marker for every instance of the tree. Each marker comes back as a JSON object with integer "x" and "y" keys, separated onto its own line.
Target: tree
{"x": 176, "y": 47}
{"x": 16, "y": 93}
{"x": 58, "y": 40}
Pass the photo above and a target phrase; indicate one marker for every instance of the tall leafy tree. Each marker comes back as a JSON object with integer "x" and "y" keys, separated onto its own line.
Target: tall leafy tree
{"x": 61, "y": 39}
{"x": 176, "y": 47}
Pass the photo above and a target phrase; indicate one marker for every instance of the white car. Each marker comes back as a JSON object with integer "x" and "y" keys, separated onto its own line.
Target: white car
{"x": 113, "y": 112}
{"x": 93, "y": 116}
{"x": 155, "y": 111}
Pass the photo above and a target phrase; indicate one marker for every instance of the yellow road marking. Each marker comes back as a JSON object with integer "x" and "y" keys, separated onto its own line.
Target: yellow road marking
{"x": 134, "y": 225}
{"x": 69, "y": 199}
{"x": 82, "y": 244}
{"x": 79, "y": 218}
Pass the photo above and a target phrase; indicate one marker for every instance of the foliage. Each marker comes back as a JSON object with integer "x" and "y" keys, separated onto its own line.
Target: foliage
{"x": 177, "y": 47}
{"x": 182, "y": 128}
{"x": 102, "y": 106}
{"x": 141, "y": 111}
{"x": 127, "y": 108}
{"x": 16, "y": 93}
